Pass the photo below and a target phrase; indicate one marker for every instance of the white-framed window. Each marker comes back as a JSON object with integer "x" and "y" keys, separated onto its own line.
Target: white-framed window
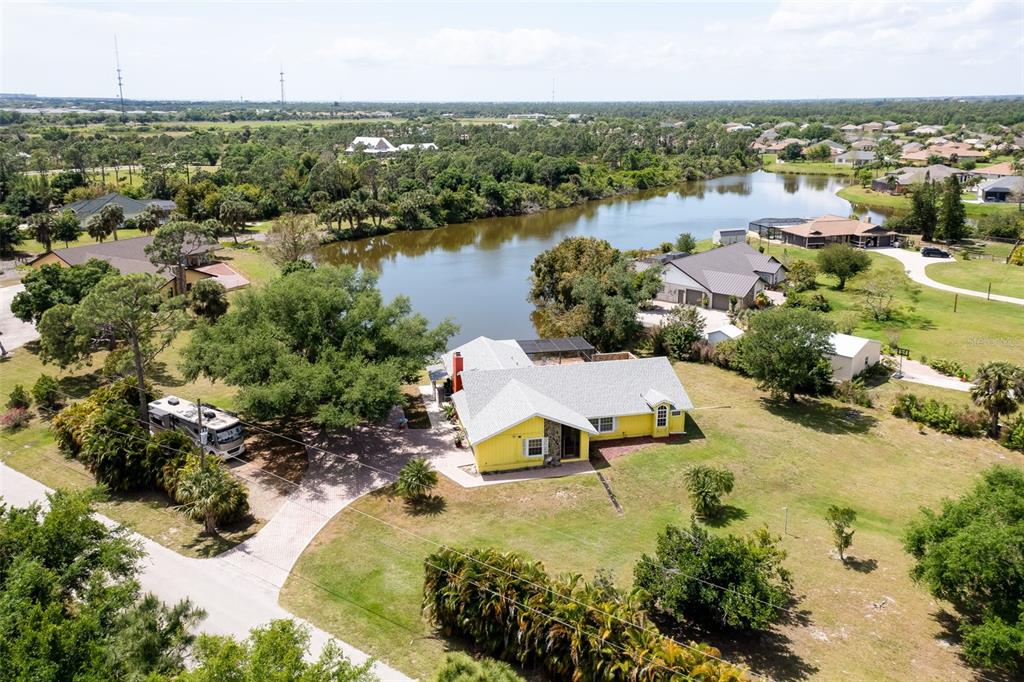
{"x": 603, "y": 424}
{"x": 534, "y": 447}
{"x": 662, "y": 417}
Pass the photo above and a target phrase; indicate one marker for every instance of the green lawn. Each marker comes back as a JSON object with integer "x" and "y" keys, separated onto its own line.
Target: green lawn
{"x": 979, "y": 330}
{"x": 978, "y": 274}
{"x": 864, "y": 196}
{"x": 361, "y": 578}
{"x": 30, "y": 246}
{"x": 806, "y": 167}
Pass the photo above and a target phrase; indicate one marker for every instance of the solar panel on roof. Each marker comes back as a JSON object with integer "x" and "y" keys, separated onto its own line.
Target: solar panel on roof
{"x": 571, "y": 344}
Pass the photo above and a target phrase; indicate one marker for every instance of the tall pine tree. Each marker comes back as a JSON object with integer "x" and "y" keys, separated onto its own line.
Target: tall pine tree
{"x": 924, "y": 213}
{"x": 952, "y": 214}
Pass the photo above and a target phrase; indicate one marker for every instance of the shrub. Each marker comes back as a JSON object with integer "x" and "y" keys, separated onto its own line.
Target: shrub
{"x": 209, "y": 493}
{"x": 726, "y": 354}
{"x": 815, "y": 302}
{"x": 1014, "y": 438}
{"x": 416, "y": 479}
{"x": 46, "y": 393}
{"x": 460, "y": 667}
{"x": 940, "y": 416}
{"x": 677, "y": 580}
{"x": 166, "y": 453}
{"x": 846, "y": 321}
{"x": 684, "y": 328}
{"x": 15, "y": 418}
{"x": 113, "y": 447}
{"x": 853, "y": 392}
{"x": 706, "y": 485}
{"x": 950, "y": 368}
{"x": 801, "y": 276}
{"x": 208, "y": 299}
{"x": 476, "y": 594}
{"x": 69, "y": 426}
{"x": 18, "y": 398}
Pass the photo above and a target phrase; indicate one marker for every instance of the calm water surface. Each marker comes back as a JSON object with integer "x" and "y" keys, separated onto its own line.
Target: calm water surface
{"x": 476, "y": 273}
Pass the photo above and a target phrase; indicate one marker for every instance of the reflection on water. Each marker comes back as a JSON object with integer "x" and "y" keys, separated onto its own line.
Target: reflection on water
{"x": 476, "y": 273}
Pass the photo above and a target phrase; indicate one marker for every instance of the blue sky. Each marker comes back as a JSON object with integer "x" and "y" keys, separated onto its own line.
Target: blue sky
{"x": 513, "y": 51}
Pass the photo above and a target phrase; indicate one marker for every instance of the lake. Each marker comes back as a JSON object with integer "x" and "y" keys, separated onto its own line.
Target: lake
{"x": 476, "y": 273}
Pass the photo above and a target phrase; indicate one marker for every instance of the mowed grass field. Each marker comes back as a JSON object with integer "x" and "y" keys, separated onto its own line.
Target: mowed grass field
{"x": 979, "y": 274}
{"x": 361, "y": 578}
{"x": 864, "y": 196}
{"x": 976, "y": 331}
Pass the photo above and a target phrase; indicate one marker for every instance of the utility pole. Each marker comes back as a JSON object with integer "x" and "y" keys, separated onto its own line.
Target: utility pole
{"x": 282, "y": 87}
{"x": 120, "y": 83}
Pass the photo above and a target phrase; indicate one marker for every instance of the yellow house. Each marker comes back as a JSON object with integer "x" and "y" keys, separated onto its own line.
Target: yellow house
{"x": 520, "y": 415}
{"x": 129, "y": 257}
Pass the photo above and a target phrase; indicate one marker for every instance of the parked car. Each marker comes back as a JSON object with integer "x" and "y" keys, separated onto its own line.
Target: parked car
{"x": 933, "y": 252}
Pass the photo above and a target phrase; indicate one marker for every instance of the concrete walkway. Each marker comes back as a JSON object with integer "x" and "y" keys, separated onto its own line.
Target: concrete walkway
{"x": 238, "y": 589}
{"x": 658, "y": 313}
{"x": 13, "y": 332}
{"x": 914, "y": 264}
{"x": 920, "y": 373}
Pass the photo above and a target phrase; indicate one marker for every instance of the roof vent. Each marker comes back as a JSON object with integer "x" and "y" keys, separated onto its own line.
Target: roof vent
{"x": 209, "y": 414}
{"x": 171, "y": 400}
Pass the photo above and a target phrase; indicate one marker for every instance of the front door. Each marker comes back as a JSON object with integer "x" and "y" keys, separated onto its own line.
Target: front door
{"x": 570, "y": 442}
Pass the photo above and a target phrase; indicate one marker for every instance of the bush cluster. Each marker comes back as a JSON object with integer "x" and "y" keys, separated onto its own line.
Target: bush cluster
{"x": 853, "y": 392}
{"x": 15, "y": 418}
{"x": 507, "y": 605}
{"x": 940, "y": 416}
{"x": 815, "y": 302}
{"x": 1014, "y": 437}
{"x": 950, "y": 368}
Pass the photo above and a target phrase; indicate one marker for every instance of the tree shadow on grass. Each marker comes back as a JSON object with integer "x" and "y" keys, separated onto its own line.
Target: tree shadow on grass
{"x": 822, "y": 416}
{"x": 950, "y": 636}
{"x": 428, "y": 505}
{"x": 725, "y": 515}
{"x": 157, "y": 373}
{"x": 860, "y": 565}
{"x": 81, "y": 385}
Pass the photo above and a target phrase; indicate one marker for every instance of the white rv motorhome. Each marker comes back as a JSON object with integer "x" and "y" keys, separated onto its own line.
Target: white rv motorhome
{"x": 221, "y": 432}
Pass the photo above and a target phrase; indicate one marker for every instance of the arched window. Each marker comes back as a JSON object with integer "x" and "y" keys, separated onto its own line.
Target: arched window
{"x": 662, "y": 420}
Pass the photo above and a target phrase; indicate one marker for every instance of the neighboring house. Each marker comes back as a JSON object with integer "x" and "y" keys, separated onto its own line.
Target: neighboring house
{"x": 724, "y": 237}
{"x": 733, "y": 127}
{"x": 726, "y": 332}
{"x": 911, "y": 147}
{"x": 519, "y": 415}
{"x": 1009, "y": 188}
{"x": 853, "y": 355}
{"x": 926, "y": 130}
{"x": 950, "y": 151}
{"x": 779, "y": 145}
{"x": 832, "y": 229}
{"x": 864, "y": 145}
{"x": 901, "y": 180}
{"x": 873, "y": 127}
{"x": 785, "y": 124}
{"x": 129, "y": 257}
{"x": 422, "y": 146}
{"x": 850, "y": 128}
{"x": 713, "y": 278}
{"x": 855, "y": 158}
{"x": 371, "y": 145}
{"x": 998, "y": 170}
{"x": 771, "y": 228}
{"x": 768, "y": 136}
{"x": 834, "y": 148}
{"x": 891, "y": 127}
{"x": 85, "y": 209}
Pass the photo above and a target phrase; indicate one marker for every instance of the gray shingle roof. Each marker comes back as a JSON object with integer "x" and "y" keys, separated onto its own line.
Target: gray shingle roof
{"x": 494, "y": 400}
{"x": 84, "y": 209}
{"x": 127, "y": 255}
{"x": 730, "y": 270}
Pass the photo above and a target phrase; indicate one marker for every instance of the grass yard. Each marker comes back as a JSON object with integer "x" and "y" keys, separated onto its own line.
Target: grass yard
{"x": 978, "y": 274}
{"x": 32, "y": 247}
{"x": 808, "y": 168}
{"x": 979, "y": 330}
{"x": 864, "y": 196}
{"x": 362, "y": 579}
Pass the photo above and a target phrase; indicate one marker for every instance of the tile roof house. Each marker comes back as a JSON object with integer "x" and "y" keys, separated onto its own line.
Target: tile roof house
{"x": 997, "y": 170}
{"x": 525, "y": 416}
{"x": 85, "y": 209}
{"x": 713, "y": 278}
{"x": 832, "y": 229}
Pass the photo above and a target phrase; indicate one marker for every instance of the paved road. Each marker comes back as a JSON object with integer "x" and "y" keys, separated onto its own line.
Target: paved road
{"x": 914, "y": 264}
{"x": 920, "y": 373}
{"x": 15, "y": 333}
{"x": 236, "y": 599}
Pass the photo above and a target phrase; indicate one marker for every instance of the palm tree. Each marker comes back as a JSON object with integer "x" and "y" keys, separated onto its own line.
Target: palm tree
{"x": 416, "y": 479}
{"x": 998, "y": 389}
{"x": 207, "y": 492}
{"x": 706, "y": 486}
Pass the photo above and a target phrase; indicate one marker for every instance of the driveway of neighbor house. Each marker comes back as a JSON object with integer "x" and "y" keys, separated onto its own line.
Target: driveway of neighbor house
{"x": 657, "y": 314}
{"x": 235, "y": 598}
{"x": 914, "y": 265}
{"x": 13, "y": 332}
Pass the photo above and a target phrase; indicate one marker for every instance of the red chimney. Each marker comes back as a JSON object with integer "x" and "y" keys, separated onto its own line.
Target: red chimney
{"x": 457, "y": 371}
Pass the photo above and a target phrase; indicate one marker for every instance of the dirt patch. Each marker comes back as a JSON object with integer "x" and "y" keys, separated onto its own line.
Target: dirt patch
{"x": 610, "y": 449}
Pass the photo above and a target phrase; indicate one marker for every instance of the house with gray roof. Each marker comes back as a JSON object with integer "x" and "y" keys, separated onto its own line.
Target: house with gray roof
{"x": 1008, "y": 188}
{"x": 521, "y": 416}
{"x": 713, "y": 279}
{"x": 903, "y": 179}
{"x": 85, "y": 209}
{"x": 855, "y": 158}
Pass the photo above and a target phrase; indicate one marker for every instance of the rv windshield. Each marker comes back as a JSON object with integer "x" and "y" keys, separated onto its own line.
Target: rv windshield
{"x": 229, "y": 434}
